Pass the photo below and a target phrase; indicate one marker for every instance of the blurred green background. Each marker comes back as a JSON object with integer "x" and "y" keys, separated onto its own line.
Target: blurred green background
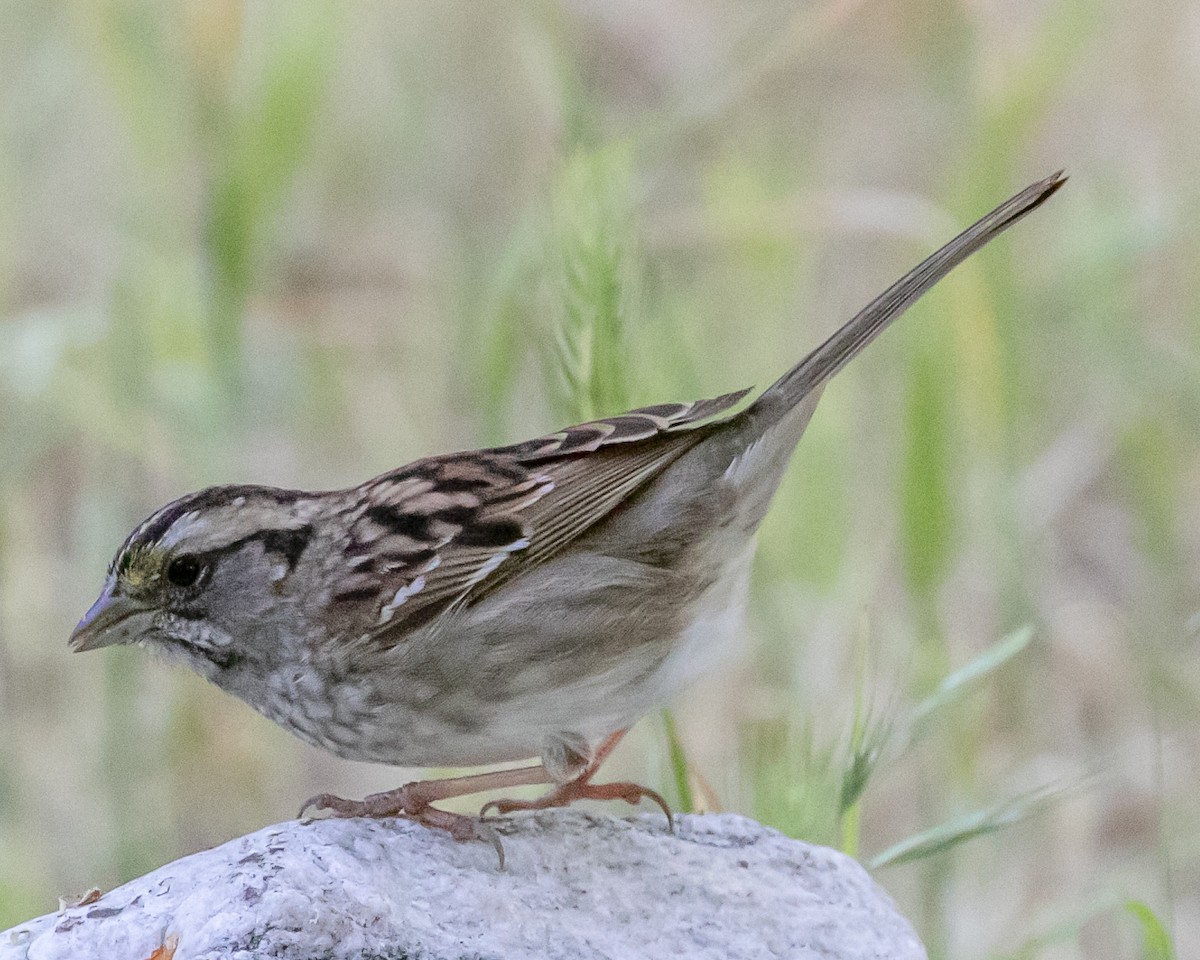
{"x": 302, "y": 242}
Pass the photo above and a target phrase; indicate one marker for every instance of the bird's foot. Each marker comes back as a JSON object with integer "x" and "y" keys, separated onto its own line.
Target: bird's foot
{"x": 582, "y": 789}
{"x": 413, "y": 803}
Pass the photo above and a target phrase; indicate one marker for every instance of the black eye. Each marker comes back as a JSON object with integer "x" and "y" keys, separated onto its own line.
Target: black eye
{"x": 183, "y": 571}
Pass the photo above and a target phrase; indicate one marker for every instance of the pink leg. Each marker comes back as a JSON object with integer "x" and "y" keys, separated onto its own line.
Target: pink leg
{"x": 415, "y": 800}
{"x": 581, "y": 788}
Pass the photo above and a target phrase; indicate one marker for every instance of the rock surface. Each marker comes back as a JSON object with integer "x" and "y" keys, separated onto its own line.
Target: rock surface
{"x": 576, "y": 886}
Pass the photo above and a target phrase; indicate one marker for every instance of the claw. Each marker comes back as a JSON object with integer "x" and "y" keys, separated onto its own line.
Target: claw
{"x": 487, "y": 833}
{"x": 320, "y": 802}
{"x": 662, "y": 805}
{"x": 500, "y": 806}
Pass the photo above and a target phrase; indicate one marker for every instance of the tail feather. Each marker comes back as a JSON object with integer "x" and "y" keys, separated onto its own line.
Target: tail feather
{"x": 819, "y": 366}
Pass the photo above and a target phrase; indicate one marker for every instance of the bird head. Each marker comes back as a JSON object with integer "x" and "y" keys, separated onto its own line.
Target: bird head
{"x": 199, "y": 577}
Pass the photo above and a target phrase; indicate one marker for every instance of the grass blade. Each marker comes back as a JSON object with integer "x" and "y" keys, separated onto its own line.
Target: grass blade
{"x": 977, "y": 823}
{"x": 679, "y": 764}
{"x": 1156, "y": 942}
{"x": 955, "y": 683}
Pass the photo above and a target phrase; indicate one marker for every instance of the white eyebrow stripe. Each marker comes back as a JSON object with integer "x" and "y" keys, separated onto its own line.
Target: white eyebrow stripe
{"x": 187, "y": 525}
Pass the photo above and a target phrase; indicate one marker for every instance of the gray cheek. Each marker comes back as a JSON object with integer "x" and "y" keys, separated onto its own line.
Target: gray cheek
{"x": 200, "y": 634}
{"x": 242, "y": 595}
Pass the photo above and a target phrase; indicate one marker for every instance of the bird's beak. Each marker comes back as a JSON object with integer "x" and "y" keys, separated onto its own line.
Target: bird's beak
{"x": 112, "y": 619}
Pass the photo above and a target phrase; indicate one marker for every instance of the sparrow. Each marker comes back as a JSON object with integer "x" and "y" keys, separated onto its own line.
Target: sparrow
{"x": 516, "y": 602}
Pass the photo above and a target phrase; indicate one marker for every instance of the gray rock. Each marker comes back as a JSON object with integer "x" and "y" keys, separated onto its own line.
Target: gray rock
{"x": 576, "y": 886}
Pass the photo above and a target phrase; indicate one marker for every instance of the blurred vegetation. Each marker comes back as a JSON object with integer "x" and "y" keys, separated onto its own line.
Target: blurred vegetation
{"x": 300, "y": 243}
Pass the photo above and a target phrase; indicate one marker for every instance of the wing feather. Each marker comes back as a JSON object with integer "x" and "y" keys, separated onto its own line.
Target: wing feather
{"x": 445, "y": 531}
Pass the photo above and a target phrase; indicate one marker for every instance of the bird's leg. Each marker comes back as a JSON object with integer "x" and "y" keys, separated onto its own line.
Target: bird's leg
{"x": 581, "y": 788}
{"x": 412, "y": 798}
{"x": 415, "y": 800}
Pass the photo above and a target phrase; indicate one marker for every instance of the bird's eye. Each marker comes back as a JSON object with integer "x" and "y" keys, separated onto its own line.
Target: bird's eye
{"x": 183, "y": 571}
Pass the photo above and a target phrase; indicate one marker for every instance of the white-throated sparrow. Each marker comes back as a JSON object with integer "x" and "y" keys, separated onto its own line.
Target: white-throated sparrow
{"x": 533, "y": 600}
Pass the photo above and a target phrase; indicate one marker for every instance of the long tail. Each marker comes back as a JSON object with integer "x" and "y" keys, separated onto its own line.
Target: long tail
{"x": 815, "y": 369}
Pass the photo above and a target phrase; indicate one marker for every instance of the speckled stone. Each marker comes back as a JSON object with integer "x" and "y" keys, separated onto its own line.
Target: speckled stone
{"x": 576, "y": 886}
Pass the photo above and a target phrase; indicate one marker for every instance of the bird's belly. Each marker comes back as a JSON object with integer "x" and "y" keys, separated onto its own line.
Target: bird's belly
{"x": 509, "y": 678}
{"x": 712, "y": 635}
